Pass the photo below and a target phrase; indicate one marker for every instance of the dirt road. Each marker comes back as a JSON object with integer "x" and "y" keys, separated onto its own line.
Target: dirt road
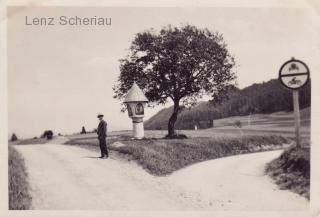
{"x": 68, "y": 177}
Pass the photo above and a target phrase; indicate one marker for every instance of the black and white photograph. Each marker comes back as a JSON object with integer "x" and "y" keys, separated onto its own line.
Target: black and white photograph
{"x": 163, "y": 109}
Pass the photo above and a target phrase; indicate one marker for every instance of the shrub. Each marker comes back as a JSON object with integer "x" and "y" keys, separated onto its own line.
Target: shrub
{"x": 48, "y": 134}
{"x": 14, "y": 137}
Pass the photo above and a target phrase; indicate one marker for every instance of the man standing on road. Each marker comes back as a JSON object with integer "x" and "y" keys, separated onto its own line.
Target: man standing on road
{"x": 102, "y": 134}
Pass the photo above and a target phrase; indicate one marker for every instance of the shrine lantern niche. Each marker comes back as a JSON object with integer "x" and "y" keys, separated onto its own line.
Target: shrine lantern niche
{"x": 135, "y": 101}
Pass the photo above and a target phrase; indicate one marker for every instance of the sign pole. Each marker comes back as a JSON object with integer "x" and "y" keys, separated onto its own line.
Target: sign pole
{"x": 294, "y": 74}
{"x": 296, "y": 116}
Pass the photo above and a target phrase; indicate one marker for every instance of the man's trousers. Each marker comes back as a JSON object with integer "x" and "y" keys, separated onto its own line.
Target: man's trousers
{"x": 103, "y": 146}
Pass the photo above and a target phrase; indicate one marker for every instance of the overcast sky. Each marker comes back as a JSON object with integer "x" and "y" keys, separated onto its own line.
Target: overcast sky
{"x": 61, "y": 77}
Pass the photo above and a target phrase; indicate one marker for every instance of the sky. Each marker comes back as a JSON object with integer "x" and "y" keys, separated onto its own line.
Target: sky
{"x": 61, "y": 77}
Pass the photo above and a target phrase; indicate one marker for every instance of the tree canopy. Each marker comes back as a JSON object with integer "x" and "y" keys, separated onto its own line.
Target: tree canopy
{"x": 178, "y": 63}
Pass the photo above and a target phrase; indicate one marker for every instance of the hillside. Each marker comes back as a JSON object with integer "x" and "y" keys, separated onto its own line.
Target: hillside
{"x": 263, "y": 98}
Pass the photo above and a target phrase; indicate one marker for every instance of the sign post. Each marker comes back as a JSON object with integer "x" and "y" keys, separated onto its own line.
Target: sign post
{"x": 294, "y": 74}
{"x": 296, "y": 116}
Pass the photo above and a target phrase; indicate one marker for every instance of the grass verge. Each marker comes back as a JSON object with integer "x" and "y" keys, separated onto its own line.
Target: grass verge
{"x": 32, "y": 141}
{"x": 292, "y": 170}
{"x": 19, "y": 197}
{"x": 164, "y": 156}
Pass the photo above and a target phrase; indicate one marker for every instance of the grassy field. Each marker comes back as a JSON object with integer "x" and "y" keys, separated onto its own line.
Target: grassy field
{"x": 164, "y": 156}
{"x": 292, "y": 170}
{"x": 19, "y": 197}
{"x": 278, "y": 121}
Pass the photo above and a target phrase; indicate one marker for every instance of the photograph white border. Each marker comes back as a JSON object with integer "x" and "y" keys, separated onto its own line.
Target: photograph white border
{"x": 312, "y": 5}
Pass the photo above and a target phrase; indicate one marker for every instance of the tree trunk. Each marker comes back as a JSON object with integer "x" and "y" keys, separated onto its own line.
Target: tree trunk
{"x": 173, "y": 119}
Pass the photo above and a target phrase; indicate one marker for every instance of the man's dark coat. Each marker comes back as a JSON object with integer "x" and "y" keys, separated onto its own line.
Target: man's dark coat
{"x": 102, "y": 129}
{"x": 102, "y": 134}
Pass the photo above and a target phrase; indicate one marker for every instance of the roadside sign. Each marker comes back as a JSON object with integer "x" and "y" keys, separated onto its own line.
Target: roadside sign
{"x": 294, "y": 74}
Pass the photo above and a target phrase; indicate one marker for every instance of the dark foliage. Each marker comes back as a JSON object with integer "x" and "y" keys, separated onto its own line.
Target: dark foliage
{"x": 14, "y": 137}
{"x": 178, "y": 64}
{"x": 83, "y": 131}
{"x": 48, "y": 134}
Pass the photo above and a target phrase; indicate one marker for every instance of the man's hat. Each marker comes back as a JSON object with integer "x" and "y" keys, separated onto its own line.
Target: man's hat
{"x": 100, "y": 115}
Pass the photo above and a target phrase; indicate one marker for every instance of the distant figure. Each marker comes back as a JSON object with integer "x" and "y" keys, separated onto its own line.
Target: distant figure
{"x": 102, "y": 134}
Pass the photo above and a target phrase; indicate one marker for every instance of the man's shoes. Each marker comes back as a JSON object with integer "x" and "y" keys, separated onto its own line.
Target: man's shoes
{"x": 101, "y": 157}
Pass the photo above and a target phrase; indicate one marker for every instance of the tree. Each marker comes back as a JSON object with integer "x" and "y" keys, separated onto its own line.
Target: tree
{"x": 178, "y": 63}
{"x": 83, "y": 131}
{"x": 48, "y": 134}
{"x": 14, "y": 137}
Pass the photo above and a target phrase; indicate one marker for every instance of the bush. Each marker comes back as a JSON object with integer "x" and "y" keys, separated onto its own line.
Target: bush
{"x": 14, "y": 137}
{"x": 48, "y": 134}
